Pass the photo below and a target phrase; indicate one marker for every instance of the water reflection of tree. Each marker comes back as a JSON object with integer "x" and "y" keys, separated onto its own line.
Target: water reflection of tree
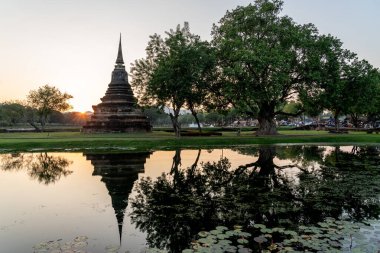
{"x": 173, "y": 208}
{"x": 348, "y": 183}
{"x": 42, "y": 167}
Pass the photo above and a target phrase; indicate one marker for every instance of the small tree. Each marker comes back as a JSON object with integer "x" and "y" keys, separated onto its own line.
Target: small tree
{"x": 45, "y": 100}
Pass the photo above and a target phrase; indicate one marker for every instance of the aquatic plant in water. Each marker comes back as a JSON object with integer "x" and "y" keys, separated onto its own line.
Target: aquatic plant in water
{"x": 77, "y": 245}
{"x": 221, "y": 239}
{"x": 329, "y": 236}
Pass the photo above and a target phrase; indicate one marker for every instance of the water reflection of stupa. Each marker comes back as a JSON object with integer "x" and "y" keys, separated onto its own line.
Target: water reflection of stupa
{"x": 119, "y": 172}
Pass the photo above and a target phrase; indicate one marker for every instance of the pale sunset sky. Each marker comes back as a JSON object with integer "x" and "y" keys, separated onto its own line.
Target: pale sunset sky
{"x": 72, "y": 44}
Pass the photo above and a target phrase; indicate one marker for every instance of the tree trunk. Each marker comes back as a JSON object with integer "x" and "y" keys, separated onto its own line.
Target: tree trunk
{"x": 336, "y": 115}
{"x": 43, "y": 120}
{"x": 175, "y": 123}
{"x": 355, "y": 120}
{"x": 194, "y": 166}
{"x": 176, "y": 162}
{"x": 265, "y": 161}
{"x": 195, "y": 115}
{"x": 43, "y": 126}
{"x": 174, "y": 171}
{"x": 35, "y": 126}
{"x": 267, "y": 124}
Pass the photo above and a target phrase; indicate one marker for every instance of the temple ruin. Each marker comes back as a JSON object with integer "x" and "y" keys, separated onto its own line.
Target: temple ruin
{"x": 118, "y": 111}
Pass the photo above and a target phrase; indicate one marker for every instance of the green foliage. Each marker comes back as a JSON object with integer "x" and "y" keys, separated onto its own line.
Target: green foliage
{"x": 265, "y": 59}
{"x": 292, "y": 107}
{"x": 331, "y": 235}
{"x": 12, "y": 113}
{"x": 366, "y": 91}
{"x": 347, "y": 85}
{"x": 18, "y": 114}
{"x": 174, "y": 72}
{"x": 47, "y": 99}
{"x": 157, "y": 117}
{"x": 221, "y": 240}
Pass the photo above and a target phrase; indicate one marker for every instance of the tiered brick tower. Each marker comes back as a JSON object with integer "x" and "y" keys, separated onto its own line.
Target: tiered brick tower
{"x": 118, "y": 110}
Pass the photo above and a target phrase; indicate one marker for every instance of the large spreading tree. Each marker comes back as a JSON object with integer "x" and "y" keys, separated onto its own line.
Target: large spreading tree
{"x": 265, "y": 60}
{"x": 174, "y": 73}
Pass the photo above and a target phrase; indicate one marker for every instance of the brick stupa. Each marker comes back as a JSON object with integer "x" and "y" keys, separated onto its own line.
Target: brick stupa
{"x": 118, "y": 111}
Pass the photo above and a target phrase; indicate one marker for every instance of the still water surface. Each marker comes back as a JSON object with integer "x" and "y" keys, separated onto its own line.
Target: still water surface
{"x": 106, "y": 202}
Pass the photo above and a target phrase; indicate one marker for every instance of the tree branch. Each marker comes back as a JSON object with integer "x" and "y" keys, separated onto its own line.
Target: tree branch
{"x": 290, "y": 114}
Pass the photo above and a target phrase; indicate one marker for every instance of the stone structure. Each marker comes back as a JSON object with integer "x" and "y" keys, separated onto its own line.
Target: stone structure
{"x": 119, "y": 171}
{"x": 118, "y": 110}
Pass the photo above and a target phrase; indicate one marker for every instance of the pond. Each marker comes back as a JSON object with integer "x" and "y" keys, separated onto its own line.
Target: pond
{"x": 277, "y": 198}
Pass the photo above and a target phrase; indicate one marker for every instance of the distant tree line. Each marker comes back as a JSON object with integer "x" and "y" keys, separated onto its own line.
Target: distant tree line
{"x": 257, "y": 63}
{"x": 18, "y": 114}
{"x": 43, "y": 105}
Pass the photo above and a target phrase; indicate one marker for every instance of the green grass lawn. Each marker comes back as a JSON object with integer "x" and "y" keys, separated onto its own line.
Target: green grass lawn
{"x": 165, "y": 140}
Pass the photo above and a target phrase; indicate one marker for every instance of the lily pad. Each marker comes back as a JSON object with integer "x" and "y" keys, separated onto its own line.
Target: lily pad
{"x": 222, "y": 236}
{"x": 216, "y": 232}
{"x": 230, "y": 249}
{"x": 203, "y": 234}
{"x": 244, "y": 250}
{"x": 290, "y": 232}
{"x": 207, "y": 241}
{"x": 243, "y": 241}
{"x": 242, "y": 234}
{"x": 260, "y": 239}
{"x": 222, "y": 228}
{"x": 224, "y": 242}
{"x": 259, "y": 226}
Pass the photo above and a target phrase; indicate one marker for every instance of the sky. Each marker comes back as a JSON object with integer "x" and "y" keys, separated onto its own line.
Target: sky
{"x": 72, "y": 44}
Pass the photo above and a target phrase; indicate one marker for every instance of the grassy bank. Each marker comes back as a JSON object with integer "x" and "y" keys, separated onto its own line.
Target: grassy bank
{"x": 10, "y": 142}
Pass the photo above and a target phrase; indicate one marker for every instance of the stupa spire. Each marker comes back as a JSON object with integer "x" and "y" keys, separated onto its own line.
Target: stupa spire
{"x": 118, "y": 111}
{"x": 119, "y": 59}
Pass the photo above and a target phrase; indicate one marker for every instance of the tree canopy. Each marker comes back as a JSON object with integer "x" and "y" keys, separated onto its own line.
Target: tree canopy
{"x": 11, "y": 113}
{"x": 265, "y": 59}
{"x": 347, "y": 85}
{"x": 47, "y": 99}
{"x": 173, "y": 73}
{"x": 258, "y": 61}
